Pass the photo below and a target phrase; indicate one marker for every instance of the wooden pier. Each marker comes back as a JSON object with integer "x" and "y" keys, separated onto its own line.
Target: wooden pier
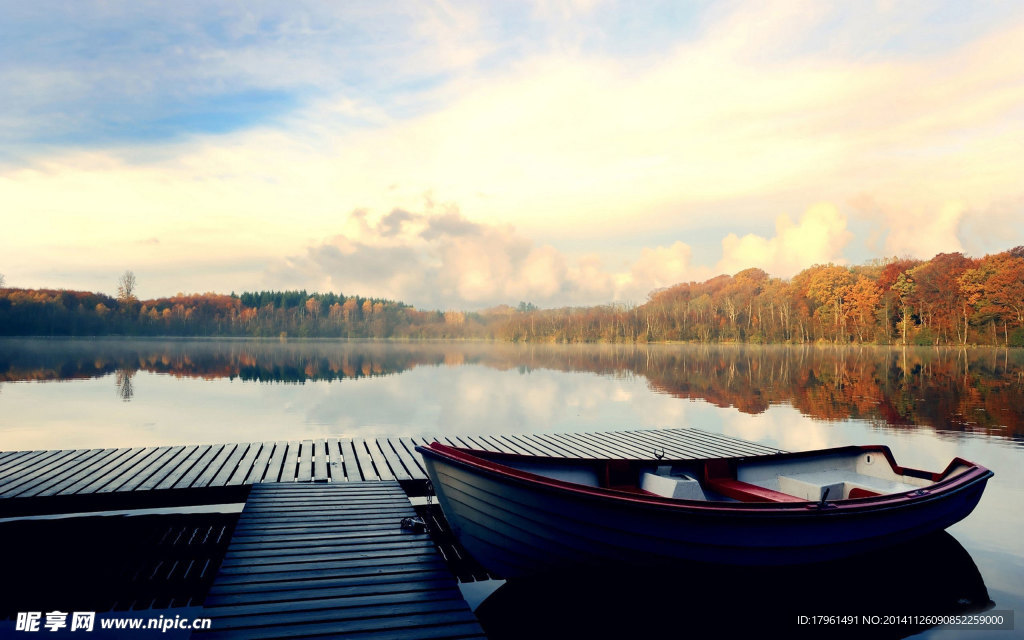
{"x": 33, "y": 482}
{"x": 332, "y": 559}
{"x": 319, "y": 549}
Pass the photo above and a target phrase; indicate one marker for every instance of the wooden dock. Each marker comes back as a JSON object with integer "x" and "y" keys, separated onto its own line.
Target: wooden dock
{"x": 133, "y": 477}
{"x": 332, "y": 559}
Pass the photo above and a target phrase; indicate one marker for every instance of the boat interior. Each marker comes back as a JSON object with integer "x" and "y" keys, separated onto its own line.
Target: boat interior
{"x": 842, "y": 474}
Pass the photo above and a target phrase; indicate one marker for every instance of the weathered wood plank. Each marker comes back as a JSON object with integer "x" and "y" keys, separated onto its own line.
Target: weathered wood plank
{"x": 229, "y": 466}
{"x": 332, "y": 589}
{"x": 183, "y": 467}
{"x": 380, "y": 448}
{"x": 353, "y": 465}
{"x": 313, "y": 571}
{"x": 152, "y": 468}
{"x": 320, "y": 461}
{"x": 531, "y": 446}
{"x": 602, "y": 449}
{"x": 705, "y": 448}
{"x": 126, "y": 474}
{"x": 562, "y": 448}
{"x": 245, "y": 465}
{"x": 409, "y": 446}
{"x": 417, "y": 569}
{"x": 215, "y": 465}
{"x": 55, "y": 485}
{"x": 351, "y": 573}
{"x": 478, "y": 444}
{"x": 169, "y": 467}
{"x": 622, "y": 448}
{"x": 259, "y": 466}
{"x": 201, "y": 465}
{"x": 366, "y": 466}
{"x": 574, "y": 443}
{"x": 335, "y": 461}
{"x": 291, "y": 462}
{"x": 378, "y": 461}
{"x": 305, "y": 473}
{"x": 97, "y": 481}
{"x": 57, "y": 467}
{"x": 26, "y": 463}
{"x": 276, "y": 463}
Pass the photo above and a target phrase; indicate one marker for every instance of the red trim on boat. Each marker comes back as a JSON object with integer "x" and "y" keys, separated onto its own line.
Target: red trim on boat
{"x": 857, "y": 492}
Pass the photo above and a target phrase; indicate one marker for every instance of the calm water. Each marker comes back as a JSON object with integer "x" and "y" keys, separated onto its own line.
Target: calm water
{"x": 929, "y": 405}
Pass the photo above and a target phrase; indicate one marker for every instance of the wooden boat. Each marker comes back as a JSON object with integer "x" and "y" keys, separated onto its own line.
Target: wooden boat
{"x": 522, "y": 515}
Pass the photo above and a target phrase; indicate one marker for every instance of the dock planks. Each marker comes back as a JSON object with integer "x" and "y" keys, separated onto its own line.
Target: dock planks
{"x": 37, "y": 474}
{"x": 344, "y": 568}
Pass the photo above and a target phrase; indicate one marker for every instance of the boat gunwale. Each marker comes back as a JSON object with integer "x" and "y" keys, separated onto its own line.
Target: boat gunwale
{"x": 944, "y": 487}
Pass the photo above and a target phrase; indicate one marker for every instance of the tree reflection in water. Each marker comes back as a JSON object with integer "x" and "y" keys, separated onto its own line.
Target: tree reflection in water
{"x": 949, "y": 389}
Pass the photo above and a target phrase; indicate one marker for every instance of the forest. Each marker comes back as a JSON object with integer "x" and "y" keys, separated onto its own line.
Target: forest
{"x": 951, "y": 299}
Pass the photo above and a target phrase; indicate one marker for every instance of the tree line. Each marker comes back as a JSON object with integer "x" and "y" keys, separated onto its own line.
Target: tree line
{"x": 951, "y": 299}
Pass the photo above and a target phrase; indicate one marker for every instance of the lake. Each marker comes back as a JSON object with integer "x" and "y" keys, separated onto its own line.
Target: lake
{"x": 929, "y": 405}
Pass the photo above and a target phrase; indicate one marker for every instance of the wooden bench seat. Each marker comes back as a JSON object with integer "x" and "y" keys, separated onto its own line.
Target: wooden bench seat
{"x": 746, "y": 492}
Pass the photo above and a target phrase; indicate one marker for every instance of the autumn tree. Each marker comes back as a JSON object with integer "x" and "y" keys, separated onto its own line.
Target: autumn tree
{"x": 941, "y": 302}
{"x": 863, "y": 298}
{"x": 830, "y": 286}
{"x": 891, "y": 271}
{"x": 904, "y": 288}
{"x": 126, "y": 288}
{"x": 995, "y": 289}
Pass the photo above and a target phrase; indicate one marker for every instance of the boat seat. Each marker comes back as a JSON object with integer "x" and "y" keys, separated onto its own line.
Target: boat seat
{"x": 680, "y": 486}
{"x": 720, "y": 477}
{"x": 746, "y": 492}
{"x": 841, "y": 484}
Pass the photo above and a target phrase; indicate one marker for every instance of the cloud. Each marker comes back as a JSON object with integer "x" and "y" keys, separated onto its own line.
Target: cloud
{"x": 596, "y": 165}
{"x": 444, "y": 260}
{"x": 818, "y": 238}
{"x": 437, "y": 260}
{"x": 659, "y": 267}
{"x": 925, "y": 233}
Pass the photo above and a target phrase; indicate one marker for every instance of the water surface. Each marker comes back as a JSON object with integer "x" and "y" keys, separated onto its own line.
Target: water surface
{"x": 929, "y": 405}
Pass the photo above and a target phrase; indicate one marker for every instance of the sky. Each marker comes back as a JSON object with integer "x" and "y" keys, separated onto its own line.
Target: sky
{"x": 463, "y": 155}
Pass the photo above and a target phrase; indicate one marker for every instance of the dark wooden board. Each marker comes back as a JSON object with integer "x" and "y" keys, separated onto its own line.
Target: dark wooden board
{"x": 290, "y": 573}
{"x": 185, "y": 466}
{"x": 172, "y": 466}
{"x": 189, "y": 477}
{"x": 245, "y": 464}
{"x": 61, "y": 466}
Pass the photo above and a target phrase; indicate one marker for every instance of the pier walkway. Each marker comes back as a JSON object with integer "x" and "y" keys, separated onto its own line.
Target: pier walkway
{"x": 134, "y": 477}
{"x": 332, "y": 559}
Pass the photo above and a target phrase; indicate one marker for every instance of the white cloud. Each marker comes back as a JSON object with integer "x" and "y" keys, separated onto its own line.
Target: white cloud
{"x": 444, "y": 260}
{"x": 818, "y": 238}
{"x": 924, "y": 233}
{"x": 656, "y": 268}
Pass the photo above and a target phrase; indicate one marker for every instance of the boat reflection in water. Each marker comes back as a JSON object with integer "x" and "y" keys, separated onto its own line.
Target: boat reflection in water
{"x": 932, "y": 576}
